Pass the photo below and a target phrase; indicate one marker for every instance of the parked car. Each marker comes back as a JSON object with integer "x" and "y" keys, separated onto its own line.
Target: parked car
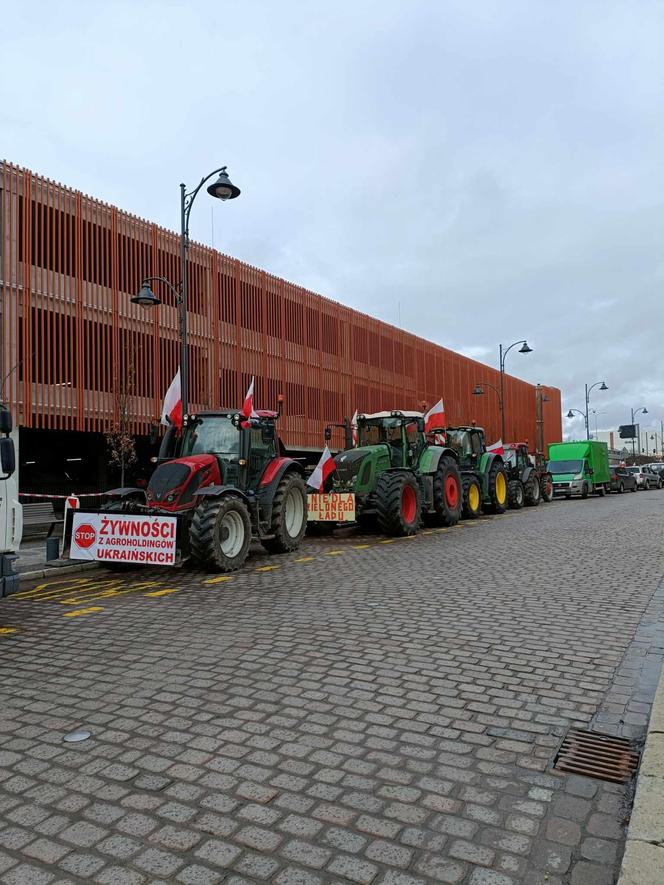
{"x": 658, "y": 467}
{"x": 622, "y": 480}
{"x": 645, "y": 477}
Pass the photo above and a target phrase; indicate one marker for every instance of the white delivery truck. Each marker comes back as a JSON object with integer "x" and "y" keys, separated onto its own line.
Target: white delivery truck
{"x": 11, "y": 512}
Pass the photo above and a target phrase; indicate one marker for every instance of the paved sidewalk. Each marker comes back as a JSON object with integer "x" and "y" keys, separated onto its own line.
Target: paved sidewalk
{"x": 32, "y": 563}
{"x": 381, "y": 713}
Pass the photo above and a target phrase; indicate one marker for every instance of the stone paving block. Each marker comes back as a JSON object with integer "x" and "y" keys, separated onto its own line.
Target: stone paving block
{"x": 353, "y": 869}
{"x": 116, "y": 875}
{"x": 196, "y": 874}
{"x": 221, "y": 854}
{"x": 585, "y": 873}
{"x": 25, "y": 874}
{"x": 81, "y": 864}
{"x": 46, "y": 851}
{"x": 258, "y": 866}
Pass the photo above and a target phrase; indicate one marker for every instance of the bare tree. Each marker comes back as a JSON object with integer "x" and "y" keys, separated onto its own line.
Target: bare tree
{"x": 121, "y": 444}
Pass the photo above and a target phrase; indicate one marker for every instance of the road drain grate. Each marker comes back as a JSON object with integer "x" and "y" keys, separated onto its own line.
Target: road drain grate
{"x": 593, "y": 754}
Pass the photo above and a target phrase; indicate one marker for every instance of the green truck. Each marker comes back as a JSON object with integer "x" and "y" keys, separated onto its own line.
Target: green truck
{"x": 579, "y": 468}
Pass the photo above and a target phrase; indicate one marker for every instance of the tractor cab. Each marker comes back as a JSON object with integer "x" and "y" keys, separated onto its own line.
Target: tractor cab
{"x": 516, "y": 456}
{"x": 401, "y": 432}
{"x": 467, "y": 442}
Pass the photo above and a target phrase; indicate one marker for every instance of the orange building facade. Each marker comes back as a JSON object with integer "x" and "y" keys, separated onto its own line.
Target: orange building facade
{"x": 70, "y": 338}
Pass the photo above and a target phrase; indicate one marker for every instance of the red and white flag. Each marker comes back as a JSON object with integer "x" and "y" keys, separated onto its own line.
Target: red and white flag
{"x": 171, "y": 412}
{"x": 322, "y": 470}
{"x": 435, "y": 417}
{"x": 353, "y": 428}
{"x": 497, "y": 448}
{"x": 248, "y": 405}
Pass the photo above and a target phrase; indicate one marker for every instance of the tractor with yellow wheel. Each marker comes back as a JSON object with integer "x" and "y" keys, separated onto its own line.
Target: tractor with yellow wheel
{"x": 483, "y": 474}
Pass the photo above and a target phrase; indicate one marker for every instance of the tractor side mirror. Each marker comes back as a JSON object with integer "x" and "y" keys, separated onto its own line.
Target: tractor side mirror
{"x": 236, "y": 421}
{"x": 420, "y": 425}
{"x": 328, "y": 433}
{"x": 5, "y": 420}
{"x": 154, "y": 434}
{"x": 7, "y": 457}
{"x": 267, "y": 433}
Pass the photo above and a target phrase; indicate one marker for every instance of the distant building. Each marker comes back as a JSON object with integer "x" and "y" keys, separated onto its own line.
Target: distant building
{"x": 649, "y": 442}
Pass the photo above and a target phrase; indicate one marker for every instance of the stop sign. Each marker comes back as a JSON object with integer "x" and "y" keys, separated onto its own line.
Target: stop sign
{"x": 85, "y": 536}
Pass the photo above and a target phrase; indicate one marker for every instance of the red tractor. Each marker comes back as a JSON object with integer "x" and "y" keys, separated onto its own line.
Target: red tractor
{"x": 227, "y": 484}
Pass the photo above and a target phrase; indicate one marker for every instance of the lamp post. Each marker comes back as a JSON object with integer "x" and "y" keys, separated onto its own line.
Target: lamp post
{"x": 503, "y": 353}
{"x": 596, "y": 413}
{"x": 602, "y": 386}
{"x": 222, "y": 189}
{"x": 478, "y": 390}
{"x": 570, "y": 414}
{"x": 635, "y": 412}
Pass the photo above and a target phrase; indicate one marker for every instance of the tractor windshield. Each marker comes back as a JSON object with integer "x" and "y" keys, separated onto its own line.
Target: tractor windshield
{"x": 509, "y": 457}
{"x": 459, "y": 440}
{"x": 384, "y": 430}
{"x": 211, "y": 435}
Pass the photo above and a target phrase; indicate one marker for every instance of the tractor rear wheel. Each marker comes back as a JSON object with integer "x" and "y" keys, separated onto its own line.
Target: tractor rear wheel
{"x": 546, "y": 487}
{"x": 220, "y": 533}
{"x": 515, "y": 494}
{"x": 532, "y": 491}
{"x": 498, "y": 487}
{"x": 447, "y": 492}
{"x": 398, "y": 503}
{"x": 472, "y": 497}
{"x": 289, "y": 515}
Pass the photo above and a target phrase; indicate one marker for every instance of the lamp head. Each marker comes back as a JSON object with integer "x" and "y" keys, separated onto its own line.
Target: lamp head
{"x": 603, "y": 386}
{"x": 146, "y": 297}
{"x": 223, "y": 188}
{"x": 645, "y": 411}
{"x": 478, "y": 390}
{"x": 570, "y": 414}
{"x": 524, "y": 348}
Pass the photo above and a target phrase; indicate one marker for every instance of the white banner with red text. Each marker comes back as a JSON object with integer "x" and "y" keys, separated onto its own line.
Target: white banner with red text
{"x": 119, "y": 537}
{"x": 331, "y": 507}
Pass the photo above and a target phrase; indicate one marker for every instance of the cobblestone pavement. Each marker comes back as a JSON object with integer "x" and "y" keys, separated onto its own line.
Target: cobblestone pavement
{"x": 363, "y": 711}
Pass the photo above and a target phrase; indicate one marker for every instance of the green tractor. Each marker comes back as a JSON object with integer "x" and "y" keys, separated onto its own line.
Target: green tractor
{"x": 483, "y": 473}
{"x": 393, "y": 476}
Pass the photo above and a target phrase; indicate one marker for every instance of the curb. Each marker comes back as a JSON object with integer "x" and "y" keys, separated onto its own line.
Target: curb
{"x": 55, "y": 570}
{"x": 643, "y": 861}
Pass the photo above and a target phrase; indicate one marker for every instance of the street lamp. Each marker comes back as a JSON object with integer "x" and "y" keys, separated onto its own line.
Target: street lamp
{"x": 602, "y": 386}
{"x": 503, "y": 353}
{"x": 222, "y": 189}
{"x": 635, "y": 412}
{"x": 596, "y": 413}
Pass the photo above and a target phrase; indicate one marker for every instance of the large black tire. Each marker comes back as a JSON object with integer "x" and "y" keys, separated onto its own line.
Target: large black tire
{"x": 515, "y": 494}
{"x": 447, "y": 492}
{"x": 472, "y": 497}
{"x": 497, "y": 488}
{"x": 584, "y": 490}
{"x": 220, "y": 533}
{"x": 532, "y": 491}
{"x": 601, "y": 491}
{"x": 398, "y": 503}
{"x": 289, "y": 515}
{"x": 546, "y": 487}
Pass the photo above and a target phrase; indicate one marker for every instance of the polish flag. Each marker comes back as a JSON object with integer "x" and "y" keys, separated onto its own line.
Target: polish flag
{"x": 353, "y": 428}
{"x": 171, "y": 412}
{"x": 497, "y": 448}
{"x": 322, "y": 470}
{"x": 248, "y": 405}
{"x": 435, "y": 417}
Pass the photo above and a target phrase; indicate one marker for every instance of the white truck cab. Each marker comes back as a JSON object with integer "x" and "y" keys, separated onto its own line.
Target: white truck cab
{"x": 11, "y": 512}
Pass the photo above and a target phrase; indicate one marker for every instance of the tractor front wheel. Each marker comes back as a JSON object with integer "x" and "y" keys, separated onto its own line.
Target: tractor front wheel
{"x": 532, "y": 491}
{"x": 546, "y": 488}
{"x": 289, "y": 515}
{"x": 220, "y": 533}
{"x": 398, "y": 504}
{"x": 472, "y": 497}
{"x": 498, "y": 487}
{"x": 447, "y": 492}
{"x": 515, "y": 494}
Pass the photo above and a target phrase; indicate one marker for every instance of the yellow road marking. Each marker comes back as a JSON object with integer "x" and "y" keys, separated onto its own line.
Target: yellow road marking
{"x": 220, "y": 580}
{"x": 267, "y": 568}
{"x": 162, "y": 592}
{"x": 428, "y": 532}
{"x": 5, "y": 630}
{"x": 387, "y": 541}
{"x": 361, "y": 546}
{"x": 68, "y": 585}
{"x": 110, "y": 593}
{"x": 305, "y": 559}
{"x": 334, "y": 553}
{"x": 83, "y": 611}
{"x": 442, "y": 530}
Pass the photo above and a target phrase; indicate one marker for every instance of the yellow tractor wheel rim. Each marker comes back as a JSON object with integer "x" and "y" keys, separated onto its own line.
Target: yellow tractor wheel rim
{"x": 474, "y": 498}
{"x": 501, "y": 488}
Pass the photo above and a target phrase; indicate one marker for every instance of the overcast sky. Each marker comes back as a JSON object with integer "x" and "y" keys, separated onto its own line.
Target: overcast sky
{"x": 486, "y": 170}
